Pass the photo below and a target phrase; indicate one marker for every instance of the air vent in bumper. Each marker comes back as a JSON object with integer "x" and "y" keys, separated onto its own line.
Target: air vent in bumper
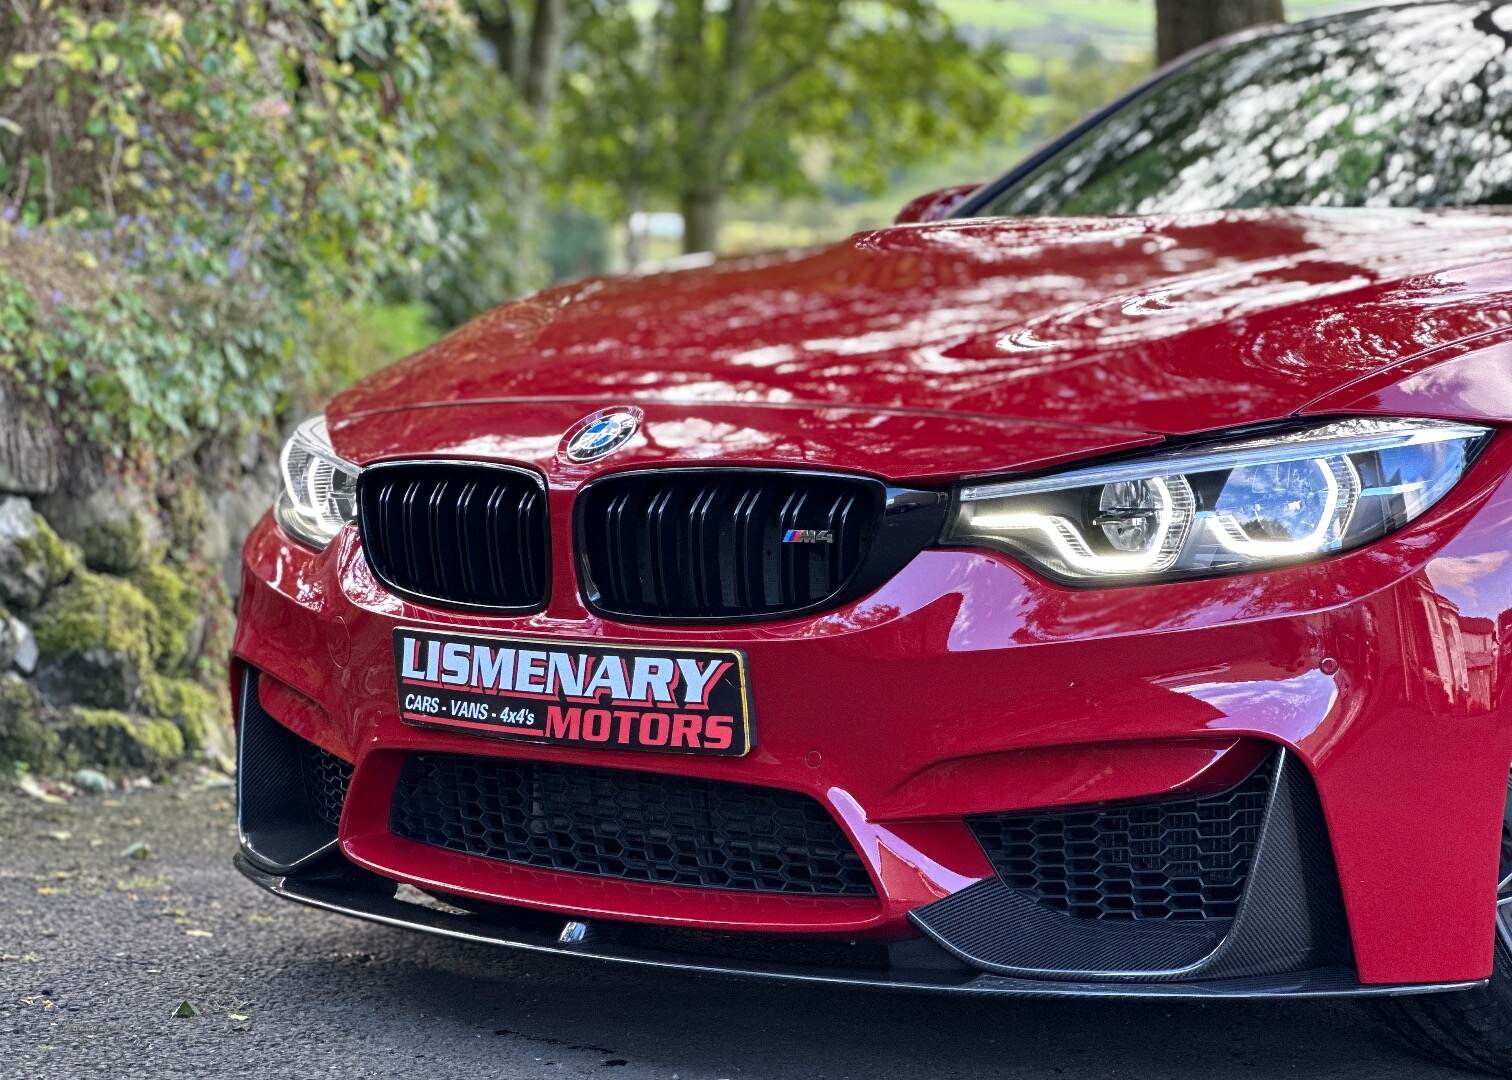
{"x": 1289, "y": 916}
{"x": 1184, "y": 859}
{"x": 647, "y": 827}
{"x": 289, "y": 792}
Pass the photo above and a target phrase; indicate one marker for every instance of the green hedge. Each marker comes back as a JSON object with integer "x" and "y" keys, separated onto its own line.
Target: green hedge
{"x": 183, "y": 189}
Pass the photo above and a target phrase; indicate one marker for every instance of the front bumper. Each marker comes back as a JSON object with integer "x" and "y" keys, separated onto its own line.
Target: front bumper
{"x": 967, "y": 686}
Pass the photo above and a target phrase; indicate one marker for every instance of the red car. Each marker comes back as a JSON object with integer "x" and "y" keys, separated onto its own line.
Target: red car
{"x": 1100, "y": 590}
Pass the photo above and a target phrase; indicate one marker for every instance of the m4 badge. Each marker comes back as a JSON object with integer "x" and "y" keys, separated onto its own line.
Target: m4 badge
{"x": 808, "y": 536}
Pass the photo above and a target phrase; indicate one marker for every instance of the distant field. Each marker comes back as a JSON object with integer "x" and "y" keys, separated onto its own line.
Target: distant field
{"x": 1114, "y": 26}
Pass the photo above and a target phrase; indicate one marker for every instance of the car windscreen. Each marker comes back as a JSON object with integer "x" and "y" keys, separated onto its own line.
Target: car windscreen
{"x": 1393, "y": 107}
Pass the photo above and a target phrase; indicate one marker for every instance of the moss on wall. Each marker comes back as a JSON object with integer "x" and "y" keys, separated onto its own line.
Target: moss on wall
{"x": 115, "y": 738}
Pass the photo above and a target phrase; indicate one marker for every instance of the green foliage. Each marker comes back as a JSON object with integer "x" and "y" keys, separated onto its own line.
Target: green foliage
{"x": 694, "y": 103}
{"x": 1085, "y": 84}
{"x": 348, "y": 343}
{"x": 490, "y": 249}
{"x": 193, "y": 179}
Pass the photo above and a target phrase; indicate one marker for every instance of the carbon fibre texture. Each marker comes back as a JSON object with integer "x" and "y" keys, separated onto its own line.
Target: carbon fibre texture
{"x": 527, "y": 931}
{"x": 288, "y": 791}
{"x": 1289, "y": 919}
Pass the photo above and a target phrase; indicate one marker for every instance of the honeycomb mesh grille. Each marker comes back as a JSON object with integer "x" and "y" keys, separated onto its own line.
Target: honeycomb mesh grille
{"x": 666, "y": 830}
{"x": 326, "y": 778}
{"x": 1182, "y": 860}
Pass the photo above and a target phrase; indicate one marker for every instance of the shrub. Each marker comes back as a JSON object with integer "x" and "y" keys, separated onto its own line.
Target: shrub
{"x": 181, "y": 184}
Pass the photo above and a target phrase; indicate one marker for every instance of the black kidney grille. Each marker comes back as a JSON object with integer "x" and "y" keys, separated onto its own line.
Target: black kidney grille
{"x": 474, "y": 535}
{"x": 326, "y": 778}
{"x": 715, "y": 544}
{"x": 1184, "y": 860}
{"x": 666, "y": 830}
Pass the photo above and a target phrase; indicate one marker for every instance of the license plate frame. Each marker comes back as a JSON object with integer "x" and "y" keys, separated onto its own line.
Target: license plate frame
{"x": 694, "y": 700}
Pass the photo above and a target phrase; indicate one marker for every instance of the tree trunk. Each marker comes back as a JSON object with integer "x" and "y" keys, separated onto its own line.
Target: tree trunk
{"x": 700, "y": 213}
{"x": 548, "y": 31}
{"x": 497, "y": 27}
{"x": 1182, "y": 25}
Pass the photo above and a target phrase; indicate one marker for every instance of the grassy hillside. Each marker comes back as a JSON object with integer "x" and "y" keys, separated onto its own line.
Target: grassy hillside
{"x": 1116, "y": 27}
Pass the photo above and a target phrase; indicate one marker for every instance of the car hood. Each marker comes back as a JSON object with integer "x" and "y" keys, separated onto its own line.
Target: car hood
{"x": 1047, "y": 338}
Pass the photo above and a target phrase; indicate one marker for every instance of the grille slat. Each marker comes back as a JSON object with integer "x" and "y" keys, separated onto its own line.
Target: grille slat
{"x": 435, "y": 517}
{"x": 710, "y": 543}
{"x": 647, "y": 827}
{"x": 1175, "y": 860}
{"x": 457, "y": 533}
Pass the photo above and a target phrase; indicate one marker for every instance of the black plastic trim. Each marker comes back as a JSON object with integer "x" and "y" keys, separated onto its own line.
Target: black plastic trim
{"x": 278, "y": 827}
{"x": 444, "y": 601}
{"x": 1290, "y": 917}
{"x": 344, "y": 891}
{"x": 911, "y": 520}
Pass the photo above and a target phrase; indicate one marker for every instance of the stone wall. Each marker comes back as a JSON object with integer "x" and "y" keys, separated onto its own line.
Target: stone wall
{"x": 116, "y": 600}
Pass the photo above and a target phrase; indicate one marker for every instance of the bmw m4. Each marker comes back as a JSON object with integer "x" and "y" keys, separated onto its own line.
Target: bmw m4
{"x": 1098, "y": 583}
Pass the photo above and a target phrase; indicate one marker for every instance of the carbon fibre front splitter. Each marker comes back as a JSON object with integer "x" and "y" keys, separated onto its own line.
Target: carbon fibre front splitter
{"x": 348, "y": 895}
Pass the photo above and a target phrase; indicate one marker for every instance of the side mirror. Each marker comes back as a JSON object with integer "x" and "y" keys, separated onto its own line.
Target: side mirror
{"x": 935, "y": 205}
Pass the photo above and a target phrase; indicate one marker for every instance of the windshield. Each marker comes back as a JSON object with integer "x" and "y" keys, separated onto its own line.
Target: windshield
{"x": 1398, "y": 107}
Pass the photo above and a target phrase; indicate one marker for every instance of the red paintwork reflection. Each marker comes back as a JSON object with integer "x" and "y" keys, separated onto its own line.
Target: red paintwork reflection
{"x": 967, "y": 666}
{"x": 918, "y": 445}
{"x": 1167, "y": 324}
{"x": 966, "y": 683}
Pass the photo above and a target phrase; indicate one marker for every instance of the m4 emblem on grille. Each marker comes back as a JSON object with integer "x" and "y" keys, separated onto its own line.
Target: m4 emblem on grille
{"x": 808, "y": 536}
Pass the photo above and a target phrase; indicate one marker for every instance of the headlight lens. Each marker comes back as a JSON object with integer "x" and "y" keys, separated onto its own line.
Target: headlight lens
{"x": 1224, "y": 507}
{"x": 320, "y": 489}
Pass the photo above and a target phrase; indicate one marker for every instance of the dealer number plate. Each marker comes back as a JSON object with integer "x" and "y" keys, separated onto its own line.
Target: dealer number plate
{"x": 616, "y": 697}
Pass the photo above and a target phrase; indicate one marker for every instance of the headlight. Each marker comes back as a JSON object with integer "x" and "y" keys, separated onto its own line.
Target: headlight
{"x": 320, "y": 489}
{"x": 1224, "y": 507}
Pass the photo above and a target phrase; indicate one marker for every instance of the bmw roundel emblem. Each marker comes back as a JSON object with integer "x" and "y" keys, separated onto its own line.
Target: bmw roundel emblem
{"x": 602, "y": 433}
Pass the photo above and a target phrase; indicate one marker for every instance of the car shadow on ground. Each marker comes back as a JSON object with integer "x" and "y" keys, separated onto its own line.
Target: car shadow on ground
{"x": 665, "y": 1023}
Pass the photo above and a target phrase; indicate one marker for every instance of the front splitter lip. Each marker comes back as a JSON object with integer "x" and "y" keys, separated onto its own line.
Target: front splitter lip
{"x": 330, "y": 895}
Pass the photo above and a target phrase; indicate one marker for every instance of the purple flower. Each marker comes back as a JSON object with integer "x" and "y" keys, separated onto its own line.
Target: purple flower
{"x": 9, "y": 213}
{"x": 56, "y": 296}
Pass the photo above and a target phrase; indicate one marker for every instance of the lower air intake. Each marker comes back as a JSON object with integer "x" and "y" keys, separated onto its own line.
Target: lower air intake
{"x": 665, "y": 830}
{"x": 326, "y": 778}
{"x": 1186, "y": 859}
{"x": 289, "y": 792}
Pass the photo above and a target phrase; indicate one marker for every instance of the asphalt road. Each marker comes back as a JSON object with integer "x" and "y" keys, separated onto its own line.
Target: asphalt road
{"x": 97, "y": 950}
